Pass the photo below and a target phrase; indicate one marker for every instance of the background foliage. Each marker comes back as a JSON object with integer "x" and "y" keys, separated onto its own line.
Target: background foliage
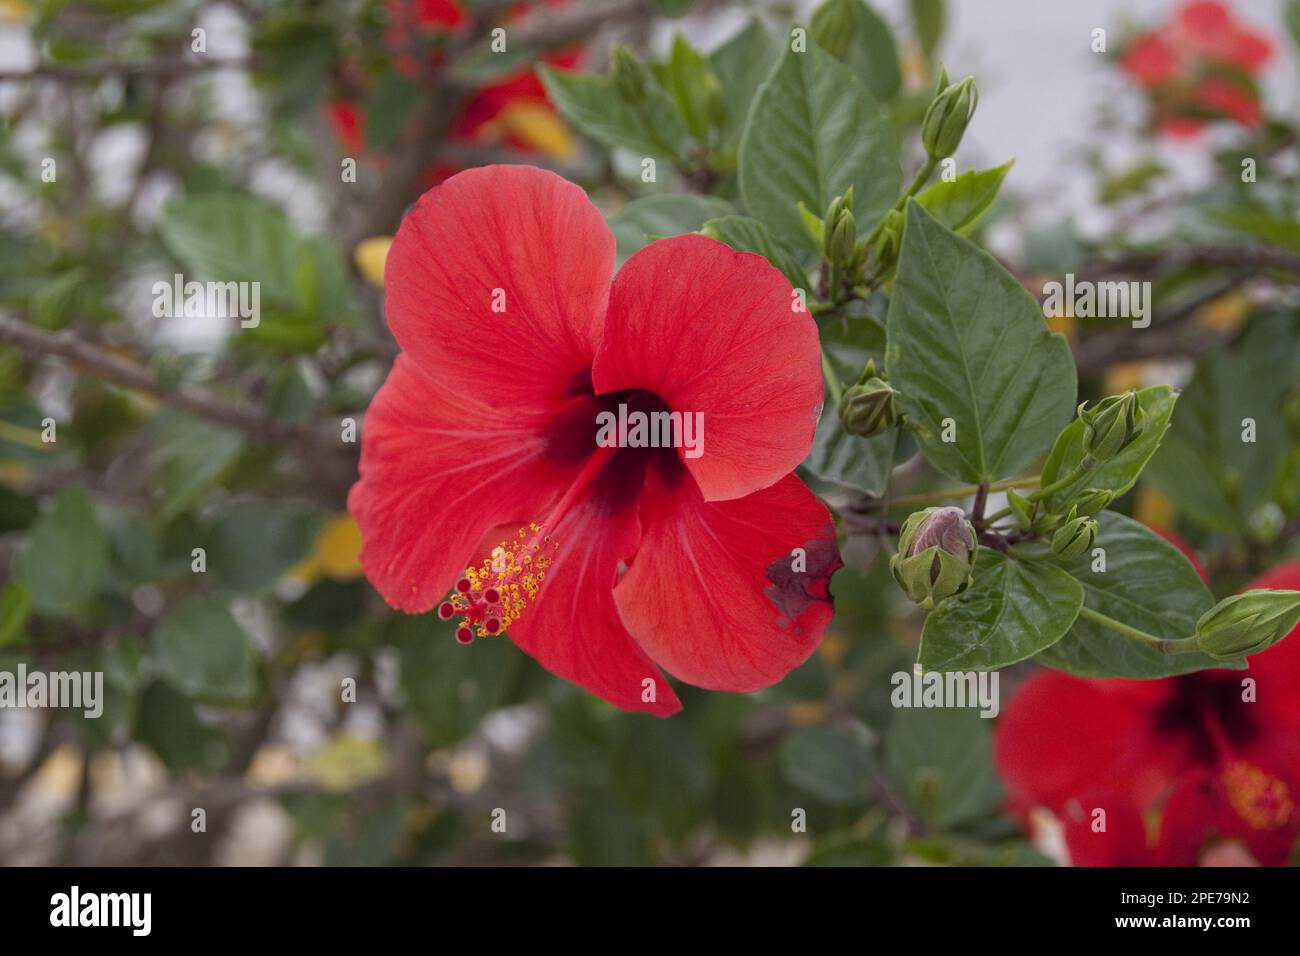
{"x": 176, "y": 434}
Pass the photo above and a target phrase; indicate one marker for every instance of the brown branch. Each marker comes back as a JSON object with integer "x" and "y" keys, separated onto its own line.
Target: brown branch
{"x": 83, "y": 72}
{"x": 107, "y": 367}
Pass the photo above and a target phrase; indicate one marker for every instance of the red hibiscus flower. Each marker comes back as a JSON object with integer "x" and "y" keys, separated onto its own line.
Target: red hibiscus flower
{"x": 481, "y": 472}
{"x": 1199, "y": 67}
{"x": 1214, "y": 756}
{"x": 512, "y": 110}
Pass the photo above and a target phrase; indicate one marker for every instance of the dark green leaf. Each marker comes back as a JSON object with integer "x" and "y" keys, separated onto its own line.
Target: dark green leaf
{"x": 813, "y": 132}
{"x": 750, "y": 235}
{"x": 1118, "y": 474}
{"x": 1011, "y": 611}
{"x": 643, "y": 220}
{"x": 67, "y": 557}
{"x": 202, "y": 651}
{"x": 653, "y": 129}
{"x": 967, "y": 342}
{"x": 1147, "y": 584}
{"x": 856, "y": 35}
{"x": 942, "y": 764}
{"x": 832, "y": 763}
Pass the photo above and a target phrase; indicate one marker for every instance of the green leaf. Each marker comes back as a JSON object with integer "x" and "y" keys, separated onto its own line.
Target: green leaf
{"x": 813, "y": 132}
{"x": 690, "y": 80}
{"x": 941, "y": 761}
{"x": 167, "y": 722}
{"x": 643, "y": 220}
{"x": 741, "y": 65}
{"x": 388, "y": 106}
{"x": 856, "y": 35}
{"x": 450, "y": 688}
{"x": 967, "y": 342}
{"x": 928, "y": 20}
{"x": 1214, "y": 476}
{"x": 1262, "y": 224}
{"x": 191, "y": 453}
{"x": 833, "y": 764}
{"x": 253, "y": 545}
{"x": 1147, "y": 584}
{"x": 233, "y": 238}
{"x": 750, "y": 235}
{"x": 15, "y": 605}
{"x": 590, "y": 103}
{"x": 862, "y": 464}
{"x": 67, "y": 558}
{"x": 201, "y": 650}
{"x": 961, "y": 204}
{"x": 1011, "y": 611}
{"x": 1120, "y": 473}
{"x": 230, "y": 237}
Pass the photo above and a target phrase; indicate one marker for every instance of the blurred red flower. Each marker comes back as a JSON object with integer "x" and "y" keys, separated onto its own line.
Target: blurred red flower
{"x": 485, "y": 434}
{"x": 512, "y": 110}
{"x": 1200, "y": 66}
{"x": 1216, "y": 765}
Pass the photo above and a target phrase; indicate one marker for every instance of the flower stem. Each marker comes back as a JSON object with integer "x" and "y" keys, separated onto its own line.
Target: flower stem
{"x": 965, "y": 491}
{"x": 832, "y": 380}
{"x": 1162, "y": 645}
{"x": 922, "y": 177}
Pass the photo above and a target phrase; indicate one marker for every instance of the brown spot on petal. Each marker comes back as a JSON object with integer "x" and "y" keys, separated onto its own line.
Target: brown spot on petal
{"x": 793, "y": 591}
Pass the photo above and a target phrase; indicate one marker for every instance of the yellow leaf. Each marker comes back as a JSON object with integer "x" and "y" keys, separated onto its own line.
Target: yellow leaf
{"x": 537, "y": 126}
{"x": 1125, "y": 376}
{"x": 370, "y": 256}
{"x": 346, "y": 763}
{"x": 337, "y": 554}
{"x": 1225, "y": 313}
{"x": 1152, "y": 508}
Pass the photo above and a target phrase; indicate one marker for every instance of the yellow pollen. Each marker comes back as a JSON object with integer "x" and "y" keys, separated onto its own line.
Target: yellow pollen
{"x": 1261, "y": 800}
{"x": 514, "y": 571}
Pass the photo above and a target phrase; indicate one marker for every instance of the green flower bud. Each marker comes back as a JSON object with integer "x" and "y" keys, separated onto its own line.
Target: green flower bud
{"x": 1091, "y": 501}
{"x": 936, "y": 551}
{"x": 842, "y": 237}
{"x": 869, "y": 406}
{"x": 890, "y": 238}
{"x": 947, "y": 117}
{"x": 629, "y": 75}
{"x": 1111, "y": 426}
{"x": 1247, "y": 623}
{"x": 1022, "y": 508}
{"x": 1075, "y": 537}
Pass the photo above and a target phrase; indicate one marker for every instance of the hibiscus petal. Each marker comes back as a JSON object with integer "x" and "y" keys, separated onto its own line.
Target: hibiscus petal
{"x": 1117, "y": 838}
{"x": 712, "y": 596}
{"x": 499, "y": 279}
{"x": 572, "y": 627}
{"x": 437, "y": 471}
{"x": 1059, "y": 736}
{"x": 712, "y": 330}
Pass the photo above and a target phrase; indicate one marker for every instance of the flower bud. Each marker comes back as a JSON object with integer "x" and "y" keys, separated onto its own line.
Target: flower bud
{"x": 1022, "y": 508}
{"x": 629, "y": 75}
{"x": 1247, "y": 623}
{"x": 1111, "y": 426}
{"x": 936, "y": 550}
{"x": 868, "y": 407}
{"x": 890, "y": 238}
{"x": 947, "y": 117}
{"x": 1091, "y": 501}
{"x": 1075, "y": 537}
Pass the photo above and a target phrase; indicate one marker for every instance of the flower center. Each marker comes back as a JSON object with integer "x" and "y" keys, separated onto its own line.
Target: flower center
{"x": 491, "y": 597}
{"x": 1261, "y": 800}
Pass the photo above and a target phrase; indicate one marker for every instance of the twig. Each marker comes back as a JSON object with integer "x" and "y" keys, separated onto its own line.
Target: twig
{"x": 107, "y": 367}
{"x": 82, "y": 72}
